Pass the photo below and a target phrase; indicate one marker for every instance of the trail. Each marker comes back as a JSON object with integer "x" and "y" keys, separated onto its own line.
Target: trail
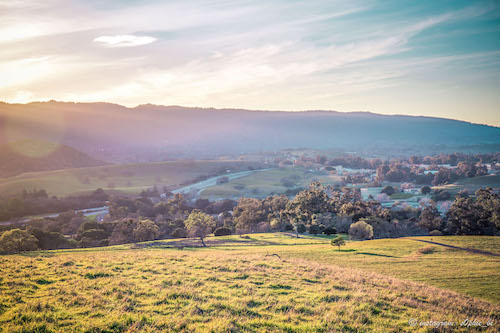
{"x": 460, "y": 248}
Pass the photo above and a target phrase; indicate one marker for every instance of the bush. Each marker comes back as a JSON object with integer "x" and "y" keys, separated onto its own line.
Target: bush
{"x": 330, "y": 231}
{"x": 425, "y": 190}
{"x": 301, "y": 228}
{"x": 389, "y": 190}
{"x": 361, "y": 230}
{"x": 314, "y": 229}
{"x": 146, "y": 230}
{"x": 17, "y": 240}
{"x": 436, "y": 233}
{"x": 222, "y": 180}
{"x": 179, "y": 233}
{"x": 441, "y": 195}
{"x": 95, "y": 234}
{"x": 222, "y": 232}
{"x": 338, "y": 241}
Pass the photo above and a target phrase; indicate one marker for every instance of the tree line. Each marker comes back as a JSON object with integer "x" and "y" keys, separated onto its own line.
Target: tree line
{"x": 317, "y": 209}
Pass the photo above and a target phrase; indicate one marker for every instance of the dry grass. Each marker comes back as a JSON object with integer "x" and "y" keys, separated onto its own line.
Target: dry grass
{"x": 211, "y": 290}
{"x": 129, "y": 178}
{"x": 425, "y": 250}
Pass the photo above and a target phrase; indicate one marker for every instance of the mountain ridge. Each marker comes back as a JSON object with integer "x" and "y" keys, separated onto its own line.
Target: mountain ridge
{"x": 154, "y": 107}
{"x": 115, "y": 133}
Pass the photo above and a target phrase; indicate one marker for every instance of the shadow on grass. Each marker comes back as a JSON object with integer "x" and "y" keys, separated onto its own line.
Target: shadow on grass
{"x": 376, "y": 254}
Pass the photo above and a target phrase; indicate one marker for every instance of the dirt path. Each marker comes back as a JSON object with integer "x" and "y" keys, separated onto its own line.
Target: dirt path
{"x": 460, "y": 248}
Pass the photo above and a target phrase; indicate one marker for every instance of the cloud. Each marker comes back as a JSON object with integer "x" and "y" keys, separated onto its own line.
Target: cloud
{"x": 274, "y": 54}
{"x": 124, "y": 40}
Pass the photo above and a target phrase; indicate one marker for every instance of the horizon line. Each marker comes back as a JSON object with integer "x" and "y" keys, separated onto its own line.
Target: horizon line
{"x": 252, "y": 110}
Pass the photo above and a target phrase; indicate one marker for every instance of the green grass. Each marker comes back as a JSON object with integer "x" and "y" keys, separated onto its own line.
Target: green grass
{"x": 234, "y": 286}
{"x": 131, "y": 178}
{"x": 489, "y": 244}
{"x": 471, "y": 185}
{"x": 266, "y": 182}
{"x": 490, "y": 180}
{"x": 401, "y": 196}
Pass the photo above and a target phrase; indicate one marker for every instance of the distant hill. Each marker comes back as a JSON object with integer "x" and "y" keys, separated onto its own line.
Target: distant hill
{"x": 149, "y": 132}
{"x": 34, "y": 155}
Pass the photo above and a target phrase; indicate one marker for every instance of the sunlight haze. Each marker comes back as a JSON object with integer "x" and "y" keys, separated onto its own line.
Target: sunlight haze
{"x": 391, "y": 57}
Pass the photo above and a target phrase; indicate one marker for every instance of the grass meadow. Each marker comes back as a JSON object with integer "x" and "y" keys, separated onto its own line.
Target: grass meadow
{"x": 238, "y": 284}
{"x": 268, "y": 182}
{"x": 130, "y": 178}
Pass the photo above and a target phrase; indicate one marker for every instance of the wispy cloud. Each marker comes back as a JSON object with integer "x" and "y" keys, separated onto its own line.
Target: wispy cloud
{"x": 124, "y": 40}
{"x": 274, "y": 54}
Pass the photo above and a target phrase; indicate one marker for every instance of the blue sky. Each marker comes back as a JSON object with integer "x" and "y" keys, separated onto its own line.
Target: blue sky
{"x": 433, "y": 58}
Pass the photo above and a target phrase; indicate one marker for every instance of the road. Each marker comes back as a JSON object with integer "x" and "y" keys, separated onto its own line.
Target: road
{"x": 200, "y": 186}
{"x": 101, "y": 212}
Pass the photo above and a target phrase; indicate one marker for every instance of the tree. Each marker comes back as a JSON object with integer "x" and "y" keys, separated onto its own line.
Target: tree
{"x": 338, "y": 241}
{"x": 49, "y": 240}
{"x": 321, "y": 159}
{"x": 146, "y": 230}
{"x": 222, "y": 231}
{"x": 248, "y": 214}
{"x": 312, "y": 201}
{"x": 314, "y": 229}
{"x": 330, "y": 231}
{"x": 389, "y": 190}
{"x": 430, "y": 218}
{"x": 475, "y": 217}
{"x": 361, "y": 230}
{"x": 425, "y": 190}
{"x": 122, "y": 232}
{"x": 199, "y": 224}
{"x": 222, "y": 180}
{"x": 17, "y": 240}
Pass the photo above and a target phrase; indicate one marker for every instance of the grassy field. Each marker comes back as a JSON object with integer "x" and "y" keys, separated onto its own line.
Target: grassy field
{"x": 130, "y": 178}
{"x": 400, "y": 196}
{"x": 491, "y": 180}
{"x": 238, "y": 285}
{"x": 267, "y": 182}
{"x": 471, "y": 185}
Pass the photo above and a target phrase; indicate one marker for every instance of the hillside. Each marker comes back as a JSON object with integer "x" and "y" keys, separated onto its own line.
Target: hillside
{"x": 157, "y": 133}
{"x": 128, "y": 178}
{"x": 30, "y": 155}
{"x": 312, "y": 287}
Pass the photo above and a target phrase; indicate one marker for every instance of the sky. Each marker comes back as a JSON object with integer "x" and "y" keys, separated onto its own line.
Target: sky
{"x": 431, "y": 58}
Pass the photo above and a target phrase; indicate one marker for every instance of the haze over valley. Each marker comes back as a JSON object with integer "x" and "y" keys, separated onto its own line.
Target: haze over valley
{"x": 249, "y": 166}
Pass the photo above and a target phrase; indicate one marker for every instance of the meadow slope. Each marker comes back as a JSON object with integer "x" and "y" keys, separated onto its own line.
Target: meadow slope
{"x": 128, "y": 178}
{"x": 232, "y": 287}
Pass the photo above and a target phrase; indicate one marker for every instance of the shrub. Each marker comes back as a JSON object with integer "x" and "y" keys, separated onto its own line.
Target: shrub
{"x": 436, "y": 233}
{"x": 17, "y": 240}
{"x": 425, "y": 190}
{"x": 330, "y": 231}
{"x": 301, "y": 228}
{"x": 314, "y": 229}
{"x": 361, "y": 230}
{"x": 179, "y": 233}
{"x": 146, "y": 230}
{"x": 389, "y": 190}
{"x": 425, "y": 250}
{"x": 222, "y": 180}
{"x": 338, "y": 241}
{"x": 222, "y": 232}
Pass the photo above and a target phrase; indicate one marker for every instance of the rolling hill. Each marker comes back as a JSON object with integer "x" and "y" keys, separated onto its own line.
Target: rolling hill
{"x": 156, "y": 133}
{"x": 126, "y": 178}
{"x": 33, "y": 155}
